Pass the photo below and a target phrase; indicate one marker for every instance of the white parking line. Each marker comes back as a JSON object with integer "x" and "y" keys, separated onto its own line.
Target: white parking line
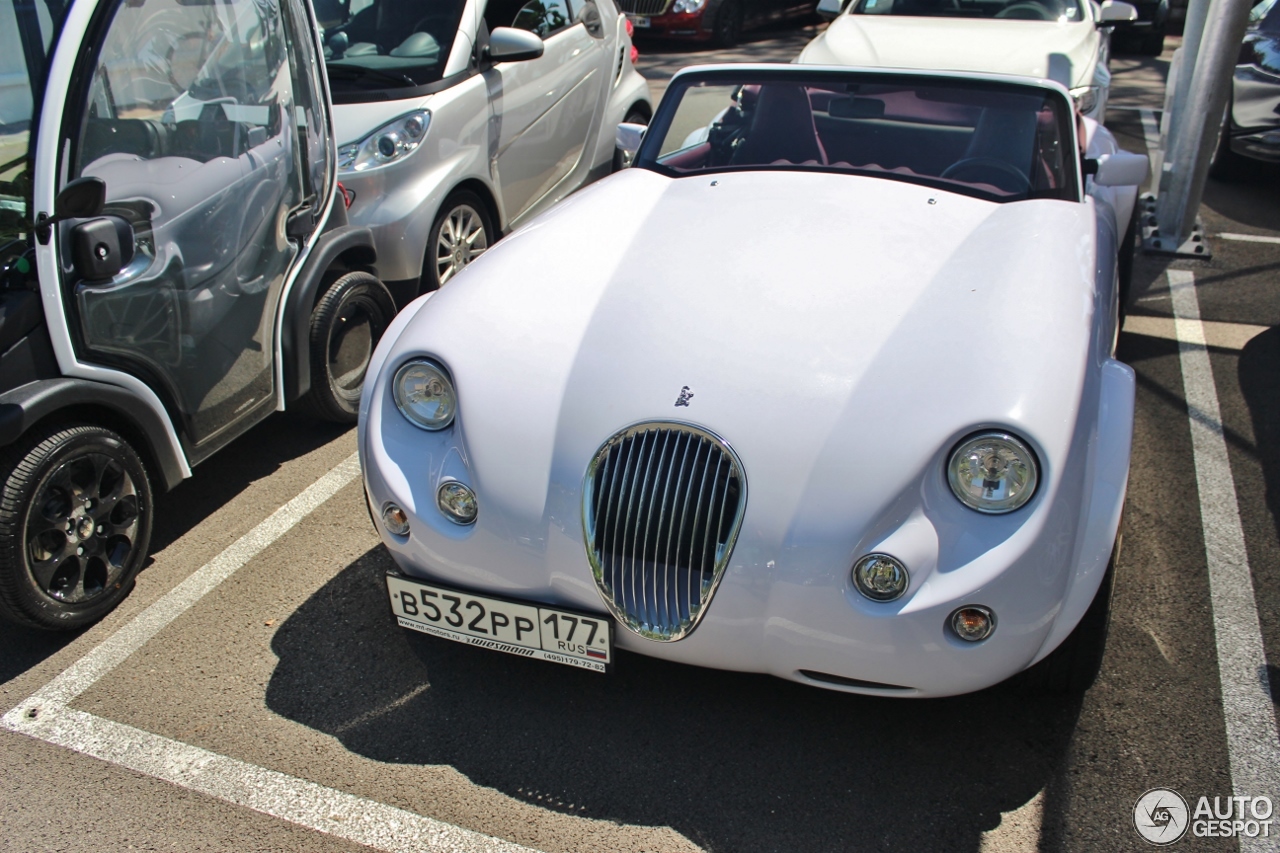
{"x": 45, "y": 715}
{"x": 1252, "y": 745}
{"x": 1249, "y": 238}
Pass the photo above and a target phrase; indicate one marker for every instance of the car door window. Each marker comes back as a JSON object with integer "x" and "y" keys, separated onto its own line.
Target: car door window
{"x": 192, "y": 122}
{"x": 543, "y": 17}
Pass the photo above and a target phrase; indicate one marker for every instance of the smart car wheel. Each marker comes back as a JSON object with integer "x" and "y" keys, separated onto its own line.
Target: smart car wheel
{"x": 728, "y": 24}
{"x": 1226, "y": 164}
{"x": 1072, "y": 667}
{"x": 346, "y": 324}
{"x": 75, "y": 525}
{"x": 461, "y": 234}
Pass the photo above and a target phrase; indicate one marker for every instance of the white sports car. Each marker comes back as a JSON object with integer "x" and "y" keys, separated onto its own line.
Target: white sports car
{"x": 1063, "y": 40}
{"x": 825, "y": 389}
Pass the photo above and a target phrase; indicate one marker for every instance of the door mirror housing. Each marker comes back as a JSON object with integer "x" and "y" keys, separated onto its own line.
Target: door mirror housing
{"x": 81, "y": 199}
{"x": 829, "y": 10}
{"x": 1121, "y": 169}
{"x": 101, "y": 248}
{"x": 507, "y": 44}
{"x": 628, "y": 140}
{"x": 1117, "y": 12}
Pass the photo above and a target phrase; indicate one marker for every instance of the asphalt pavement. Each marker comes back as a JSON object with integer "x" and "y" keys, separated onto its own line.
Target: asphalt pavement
{"x": 254, "y": 694}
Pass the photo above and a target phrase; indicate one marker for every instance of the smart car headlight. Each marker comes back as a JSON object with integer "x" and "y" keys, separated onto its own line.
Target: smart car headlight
{"x": 424, "y": 394}
{"x": 993, "y": 472}
{"x": 387, "y": 144}
{"x": 1086, "y": 98}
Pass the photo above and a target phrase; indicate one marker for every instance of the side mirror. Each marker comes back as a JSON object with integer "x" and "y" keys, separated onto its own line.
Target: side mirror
{"x": 829, "y": 10}
{"x": 1117, "y": 12}
{"x": 507, "y": 44}
{"x": 81, "y": 199}
{"x": 1121, "y": 169}
{"x": 628, "y": 139}
{"x": 101, "y": 247}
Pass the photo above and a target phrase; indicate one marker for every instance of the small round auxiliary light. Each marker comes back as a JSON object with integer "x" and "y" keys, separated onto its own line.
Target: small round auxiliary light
{"x": 396, "y": 520}
{"x": 457, "y": 502}
{"x": 973, "y": 623}
{"x": 880, "y": 577}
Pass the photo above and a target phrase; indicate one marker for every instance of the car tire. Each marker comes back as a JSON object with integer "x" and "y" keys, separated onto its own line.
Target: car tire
{"x": 75, "y": 526}
{"x": 346, "y": 324}
{"x": 728, "y": 27}
{"x": 1073, "y": 667}
{"x": 634, "y": 116}
{"x": 1226, "y": 165}
{"x": 1152, "y": 44}
{"x": 462, "y": 211}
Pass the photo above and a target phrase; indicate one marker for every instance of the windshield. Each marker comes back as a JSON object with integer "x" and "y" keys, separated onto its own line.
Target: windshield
{"x": 1013, "y": 10}
{"x": 375, "y": 45}
{"x": 1002, "y": 142}
{"x": 26, "y": 34}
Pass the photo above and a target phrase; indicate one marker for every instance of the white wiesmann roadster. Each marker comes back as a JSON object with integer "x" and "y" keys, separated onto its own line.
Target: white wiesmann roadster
{"x": 825, "y": 389}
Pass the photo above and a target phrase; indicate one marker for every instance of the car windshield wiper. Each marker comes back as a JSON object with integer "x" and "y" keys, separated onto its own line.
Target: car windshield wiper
{"x": 360, "y": 72}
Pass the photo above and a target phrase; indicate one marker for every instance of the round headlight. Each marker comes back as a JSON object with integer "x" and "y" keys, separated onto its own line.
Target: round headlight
{"x": 457, "y": 502}
{"x": 388, "y": 146}
{"x": 880, "y": 577}
{"x": 993, "y": 472}
{"x": 396, "y": 519}
{"x": 425, "y": 395}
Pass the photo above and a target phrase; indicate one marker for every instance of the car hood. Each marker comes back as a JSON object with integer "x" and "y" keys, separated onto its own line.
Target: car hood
{"x": 1024, "y": 48}
{"x": 828, "y": 327}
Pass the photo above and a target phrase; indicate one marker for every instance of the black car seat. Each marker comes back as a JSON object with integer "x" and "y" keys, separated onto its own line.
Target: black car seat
{"x": 782, "y": 129}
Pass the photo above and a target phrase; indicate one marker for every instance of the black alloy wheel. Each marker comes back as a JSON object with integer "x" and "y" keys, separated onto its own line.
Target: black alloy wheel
{"x": 346, "y": 324}
{"x": 728, "y": 28}
{"x": 1225, "y": 164}
{"x": 75, "y": 525}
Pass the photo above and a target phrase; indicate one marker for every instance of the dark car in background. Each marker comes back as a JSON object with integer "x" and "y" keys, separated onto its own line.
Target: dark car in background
{"x": 1251, "y": 124}
{"x": 719, "y": 21}
{"x": 1145, "y": 35}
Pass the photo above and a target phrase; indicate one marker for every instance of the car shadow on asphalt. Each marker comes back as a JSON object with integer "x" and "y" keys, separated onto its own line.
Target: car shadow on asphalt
{"x": 252, "y": 457}
{"x": 732, "y": 761}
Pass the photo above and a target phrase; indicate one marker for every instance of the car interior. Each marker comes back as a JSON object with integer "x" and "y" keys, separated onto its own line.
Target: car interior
{"x": 412, "y": 38}
{"x": 1025, "y": 10}
{"x": 1005, "y": 145}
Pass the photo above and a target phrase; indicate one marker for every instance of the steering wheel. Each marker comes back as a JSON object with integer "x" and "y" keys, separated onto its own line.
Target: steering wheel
{"x": 1006, "y": 169}
{"x": 1024, "y": 12}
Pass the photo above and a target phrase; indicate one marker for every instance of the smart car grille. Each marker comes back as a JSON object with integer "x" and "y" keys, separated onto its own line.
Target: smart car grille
{"x": 643, "y": 7}
{"x": 662, "y": 504}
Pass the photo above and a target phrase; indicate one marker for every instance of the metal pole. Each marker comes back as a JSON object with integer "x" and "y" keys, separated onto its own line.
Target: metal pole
{"x": 1184, "y": 63}
{"x": 1196, "y": 129}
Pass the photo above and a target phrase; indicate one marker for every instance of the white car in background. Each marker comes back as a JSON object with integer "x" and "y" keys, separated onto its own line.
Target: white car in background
{"x": 884, "y": 454}
{"x": 458, "y": 120}
{"x": 1063, "y": 40}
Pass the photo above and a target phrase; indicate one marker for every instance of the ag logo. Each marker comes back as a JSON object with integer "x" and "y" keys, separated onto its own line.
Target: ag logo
{"x": 1161, "y": 816}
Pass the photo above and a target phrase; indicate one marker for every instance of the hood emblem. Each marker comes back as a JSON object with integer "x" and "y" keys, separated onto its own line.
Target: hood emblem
{"x": 685, "y": 396}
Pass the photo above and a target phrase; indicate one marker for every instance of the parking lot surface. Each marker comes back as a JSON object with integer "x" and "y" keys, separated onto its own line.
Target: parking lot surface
{"x": 253, "y": 692}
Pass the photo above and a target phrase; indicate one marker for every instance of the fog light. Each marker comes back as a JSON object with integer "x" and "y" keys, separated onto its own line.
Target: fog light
{"x": 396, "y": 520}
{"x": 457, "y": 502}
{"x": 973, "y": 623}
{"x": 880, "y": 577}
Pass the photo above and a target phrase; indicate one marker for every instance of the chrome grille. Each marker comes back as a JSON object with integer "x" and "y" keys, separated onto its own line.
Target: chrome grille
{"x": 643, "y": 7}
{"x": 662, "y": 504}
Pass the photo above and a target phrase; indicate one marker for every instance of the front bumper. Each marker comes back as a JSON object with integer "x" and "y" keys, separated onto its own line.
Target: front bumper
{"x": 786, "y": 605}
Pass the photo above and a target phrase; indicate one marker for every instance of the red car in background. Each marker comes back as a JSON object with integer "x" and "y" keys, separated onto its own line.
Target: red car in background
{"x": 719, "y": 21}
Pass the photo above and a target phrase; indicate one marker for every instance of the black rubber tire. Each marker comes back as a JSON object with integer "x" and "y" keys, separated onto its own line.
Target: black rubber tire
{"x": 1125, "y": 254}
{"x": 1226, "y": 164}
{"x": 728, "y": 26}
{"x": 430, "y": 279}
{"x": 1073, "y": 667}
{"x": 1152, "y": 44}
{"x": 48, "y": 475}
{"x": 634, "y": 116}
{"x": 346, "y": 324}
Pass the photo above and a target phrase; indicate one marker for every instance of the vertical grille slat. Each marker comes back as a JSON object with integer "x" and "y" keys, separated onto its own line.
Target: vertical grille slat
{"x": 662, "y": 506}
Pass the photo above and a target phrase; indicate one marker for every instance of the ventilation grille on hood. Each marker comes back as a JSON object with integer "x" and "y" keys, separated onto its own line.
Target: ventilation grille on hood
{"x": 662, "y": 505}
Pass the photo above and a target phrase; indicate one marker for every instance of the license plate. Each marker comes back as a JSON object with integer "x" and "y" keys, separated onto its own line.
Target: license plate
{"x": 639, "y": 21}
{"x": 529, "y": 630}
